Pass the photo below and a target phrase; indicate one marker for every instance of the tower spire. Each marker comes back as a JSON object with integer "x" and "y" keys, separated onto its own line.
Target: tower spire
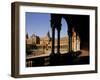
{"x": 27, "y": 35}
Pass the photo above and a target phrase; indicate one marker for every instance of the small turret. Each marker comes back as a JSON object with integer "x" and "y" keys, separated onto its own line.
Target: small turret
{"x": 27, "y": 36}
{"x": 48, "y": 34}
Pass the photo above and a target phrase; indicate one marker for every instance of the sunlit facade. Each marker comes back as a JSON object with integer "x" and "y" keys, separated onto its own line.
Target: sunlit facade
{"x": 75, "y": 41}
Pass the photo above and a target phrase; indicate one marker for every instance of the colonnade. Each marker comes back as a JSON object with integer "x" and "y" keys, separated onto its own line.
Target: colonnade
{"x": 56, "y": 24}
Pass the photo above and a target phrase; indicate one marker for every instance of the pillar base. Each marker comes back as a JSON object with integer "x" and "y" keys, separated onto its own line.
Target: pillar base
{"x": 55, "y": 59}
{"x": 52, "y": 54}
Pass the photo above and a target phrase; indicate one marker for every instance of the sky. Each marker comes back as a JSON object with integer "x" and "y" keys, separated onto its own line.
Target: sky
{"x": 39, "y": 24}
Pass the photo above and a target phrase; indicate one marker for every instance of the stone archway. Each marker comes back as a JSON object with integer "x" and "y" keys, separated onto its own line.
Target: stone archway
{"x": 56, "y": 24}
{"x": 80, "y": 23}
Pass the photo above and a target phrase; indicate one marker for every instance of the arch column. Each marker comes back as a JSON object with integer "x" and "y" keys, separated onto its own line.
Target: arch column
{"x": 58, "y": 38}
{"x": 70, "y": 40}
{"x": 53, "y": 40}
{"x": 76, "y": 41}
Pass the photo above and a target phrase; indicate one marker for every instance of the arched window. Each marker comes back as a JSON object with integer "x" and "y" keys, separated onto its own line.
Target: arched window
{"x": 64, "y": 37}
